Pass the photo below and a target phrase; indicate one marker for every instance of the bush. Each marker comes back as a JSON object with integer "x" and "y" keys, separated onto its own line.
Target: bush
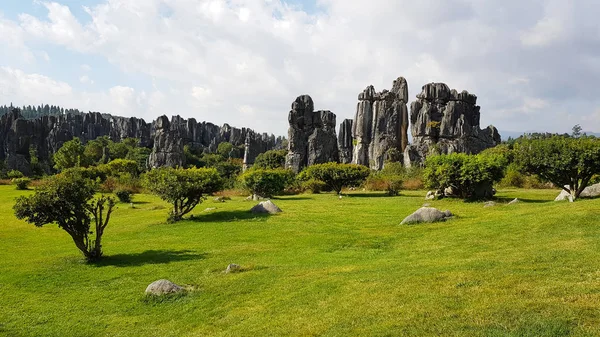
{"x": 21, "y": 183}
{"x": 68, "y": 200}
{"x": 335, "y": 175}
{"x": 271, "y": 159}
{"x": 469, "y": 176}
{"x": 14, "y": 174}
{"x": 183, "y": 188}
{"x": 266, "y": 182}
{"x": 314, "y": 185}
{"x": 390, "y": 179}
{"x": 118, "y": 167}
{"x": 124, "y": 195}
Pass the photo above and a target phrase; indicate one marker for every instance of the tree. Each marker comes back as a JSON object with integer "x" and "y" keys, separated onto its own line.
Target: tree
{"x": 576, "y": 131}
{"x": 569, "y": 163}
{"x": 271, "y": 159}
{"x": 70, "y": 154}
{"x": 183, "y": 188}
{"x": 224, "y": 149}
{"x": 97, "y": 150}
{"x": 469, "y": 176}
{"x": 266, "y": 182}
{"x": 67, "y": 199}
{"x": 336, "y": 175}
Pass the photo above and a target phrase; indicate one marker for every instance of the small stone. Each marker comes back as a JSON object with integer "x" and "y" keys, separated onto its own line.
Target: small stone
{"x": 427, "y": 214}
{"x": 515, "y": 201}
{"x": 162, "y": 287}
{"x": 430, "y": 195}
{"x": 233, "y": 268}
{"x": 426, "y": 205}
{"x": 489, "y": 204}
{"x": 266, "y": 207}
{"x": 209, "y": 209}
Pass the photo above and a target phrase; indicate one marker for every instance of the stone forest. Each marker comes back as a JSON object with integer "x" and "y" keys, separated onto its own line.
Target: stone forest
{"x": 441, "y": 121}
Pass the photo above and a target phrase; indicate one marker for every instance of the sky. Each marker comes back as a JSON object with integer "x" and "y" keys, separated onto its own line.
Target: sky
{"x": 534, "y": 64}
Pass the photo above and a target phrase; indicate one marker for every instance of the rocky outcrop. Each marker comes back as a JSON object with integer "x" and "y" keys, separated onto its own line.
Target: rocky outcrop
{"x": 345, "y": 141}
{"x": 427, "y": 214}
{"x": 256, "y": 144}
{"x": 312, "y": 138}
{"x": 446, "y": 121}
{"x": 381, "y": 125}
{"x": 46, "y": 134}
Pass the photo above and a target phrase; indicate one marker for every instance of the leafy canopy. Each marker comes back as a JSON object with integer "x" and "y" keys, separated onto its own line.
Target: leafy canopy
{"x": 183, "y": 188}
{"x": 335, "y": 175}
{"x": 566, "y": 162}
{"x": 266, "y": 182}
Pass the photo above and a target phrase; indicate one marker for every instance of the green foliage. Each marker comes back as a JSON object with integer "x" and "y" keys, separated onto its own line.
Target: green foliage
{"x": 266, "y": 182}
{"x": 229, "y": 170}
{"x": 569, "y": 163}
{"x": 71, "y": 154}
{"x": 183, "y": 188}
{"x": 467, "y": 175}
{"x": 124, "y": 195}
{"x": 119, "y": 167}
{"x": 271, "y": 159}
{"x": 224, "y": 149}
{"x": 21, "y": 183}
{"x": 389, "y": 179}
{"x": 336, "y": 175}
{"x": 14, "y": 174}
{"x": 315, "y": 186}
{"x": 67, "y": 199}
{"x": 97, "y": 150}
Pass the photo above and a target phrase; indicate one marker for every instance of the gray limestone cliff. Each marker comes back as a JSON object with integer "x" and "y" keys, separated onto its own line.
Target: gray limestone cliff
{"x": 446, "y": 121}
{"x": 345, "y": 141}
{"x": 312, "y": 138}
{"x": 380, "y": 127}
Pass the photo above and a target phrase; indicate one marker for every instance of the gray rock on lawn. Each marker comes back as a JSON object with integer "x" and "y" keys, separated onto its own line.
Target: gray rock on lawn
{"x": 427, "y": 214}
{"x": 589, "y": 192}
{"x": 233, "y": 268}
{"x": 489, "y": 204}
{"x": 430, "y": 195}
{"x": 266, "y": 207}
{"x": 162, "y": 287}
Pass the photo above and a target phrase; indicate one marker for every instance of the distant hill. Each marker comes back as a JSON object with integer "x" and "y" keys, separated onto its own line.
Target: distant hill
{"x": 515, "y": 134}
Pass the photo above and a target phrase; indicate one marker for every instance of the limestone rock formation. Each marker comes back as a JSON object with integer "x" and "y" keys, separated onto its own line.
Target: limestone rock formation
{"x": 446, "y": 121}
{"x": 312, "y": 138}
{"x": 591, "y": 191}
{"x": 345, "y": 141}
{"x": 256, "y": 144}
{"x": 266, "y": 207}
{"x": 381, "y": 125}
{"x": 47, "y": 134}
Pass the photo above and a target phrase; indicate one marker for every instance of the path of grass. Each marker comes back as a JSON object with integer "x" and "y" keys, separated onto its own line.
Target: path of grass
{"x": 323, "y": 267}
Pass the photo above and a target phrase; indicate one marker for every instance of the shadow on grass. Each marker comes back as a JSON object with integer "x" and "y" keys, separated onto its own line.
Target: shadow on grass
{"x": 148, "y": 257}
{"x": 365, "y": 195}
{"x": 141, "y": 202}
{"x": 226, "y": 216}
{"x": 525, "y": 200}
{"x": 285, "y": 197}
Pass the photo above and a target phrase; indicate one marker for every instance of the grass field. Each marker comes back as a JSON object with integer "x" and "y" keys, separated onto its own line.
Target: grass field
{"x": 324, "y": 267}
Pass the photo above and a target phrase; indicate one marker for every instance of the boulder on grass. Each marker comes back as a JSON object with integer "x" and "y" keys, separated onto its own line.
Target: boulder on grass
{"x": 162, "y": 287}
{"x": 427, "y": 214}
{"x": 588, "y": 192}
{"x": 515, "y": 201}
{"x": 266, "y": 207}
{"x": 233, "y": 268}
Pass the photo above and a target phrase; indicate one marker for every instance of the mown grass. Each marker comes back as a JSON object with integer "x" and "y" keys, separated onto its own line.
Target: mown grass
{"x": 323, "y": 267}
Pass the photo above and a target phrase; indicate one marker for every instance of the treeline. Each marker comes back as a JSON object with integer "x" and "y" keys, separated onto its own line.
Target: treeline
{"x": 32, "y": 111}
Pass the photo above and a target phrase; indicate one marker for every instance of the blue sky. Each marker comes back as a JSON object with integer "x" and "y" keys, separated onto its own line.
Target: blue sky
{"x": 533, "y": 64}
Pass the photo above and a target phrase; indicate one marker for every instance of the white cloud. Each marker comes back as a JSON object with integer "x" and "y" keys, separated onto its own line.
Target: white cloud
{"x": 244, "y": 61}
{"x": 85, "y": 79}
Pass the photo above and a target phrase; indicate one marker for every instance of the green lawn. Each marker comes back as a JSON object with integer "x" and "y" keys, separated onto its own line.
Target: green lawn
{"x": 324, "y": 267}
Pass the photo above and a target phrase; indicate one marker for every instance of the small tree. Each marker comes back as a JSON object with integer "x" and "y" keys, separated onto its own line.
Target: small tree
{"x": 184, "y": 188}
{"x": 569, "y": 163}
{"x": 271, "y": 159}
{"x": 335, "y": 175}
{"x": 266, "y": 183}
{"x": 68, "y": 200}
{"x": 469, "y": 176}
{"x": 71, "y": 154}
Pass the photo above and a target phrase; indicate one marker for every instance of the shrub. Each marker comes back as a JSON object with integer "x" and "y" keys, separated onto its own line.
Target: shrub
{"x": 470, "y": 176}
{"x": 183, "y": 188}
{"x": 314, "y": 185}
{"x": 68, "y": 200}
{"x": 124, "y": 195}
{"x": 21, "y": 183}
{"x": 569, "y": 163}
{"x": 266, "y": 182}
{"x": 335, "y": 175}
{"x": 118, "y": 167}
{"x": 14, "y": 174}
{"x": 389, "y": 179}
{"x": 271, "y": 159}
